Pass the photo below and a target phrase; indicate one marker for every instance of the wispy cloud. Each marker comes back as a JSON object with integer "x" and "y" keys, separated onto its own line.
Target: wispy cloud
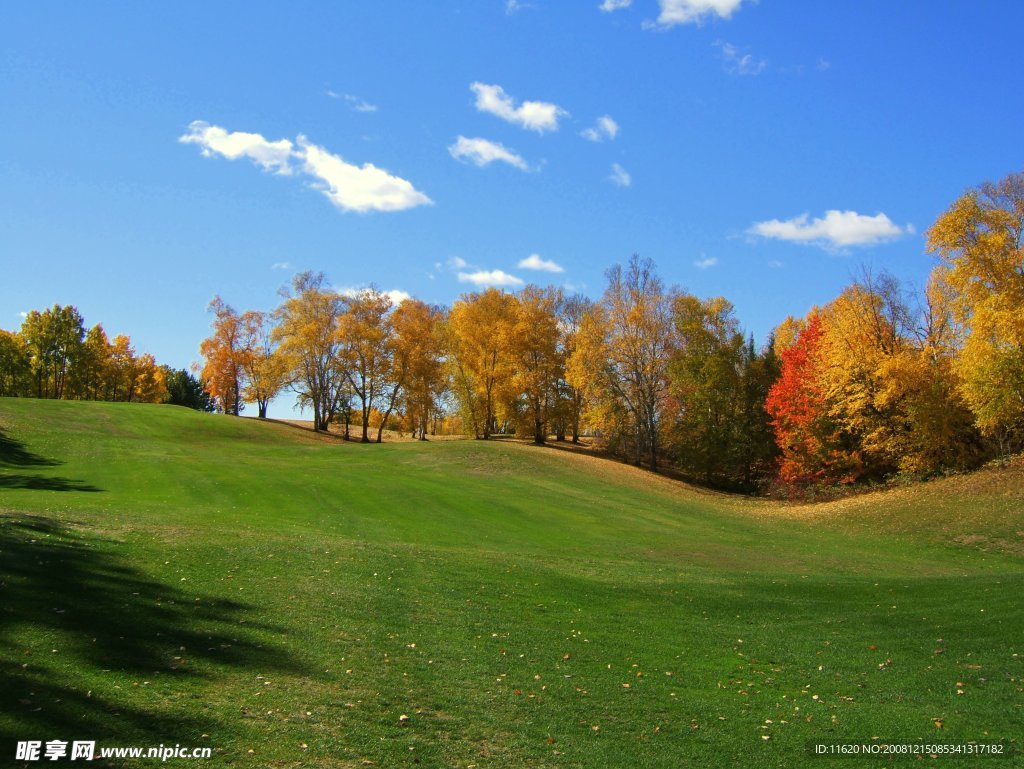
{"x": 614, "y": 5}
{"x": 705, "y": 262}
{"x": 620, "y": 176}
{"x": 484, "y": 278}
{"x": 535, "y": 262}
{"x": 481, "y": 152}
{"x": 354, "y": 102}
{"x": 281, "y": 266}
{"x": 837, "y": 229}
{"x": 23, "y": 314}
{"x": 738, "y": 63}
{"x": 347, "y": 186}
{"x": 676, "y": 12}
{"x": 539, "y": 116}
{"x": 605, "y": 128}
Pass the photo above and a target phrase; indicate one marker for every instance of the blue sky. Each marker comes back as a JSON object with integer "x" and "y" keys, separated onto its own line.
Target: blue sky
{"x": 154, "y": 155}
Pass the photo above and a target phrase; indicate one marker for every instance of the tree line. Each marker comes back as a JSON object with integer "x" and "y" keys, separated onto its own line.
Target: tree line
{"x": 874, "y": 383}
{"x": 53, "y": 355}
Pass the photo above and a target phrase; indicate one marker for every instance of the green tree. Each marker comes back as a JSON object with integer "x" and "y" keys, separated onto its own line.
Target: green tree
{"x": 54, "y": 339}
{"x": 184, "y": 389}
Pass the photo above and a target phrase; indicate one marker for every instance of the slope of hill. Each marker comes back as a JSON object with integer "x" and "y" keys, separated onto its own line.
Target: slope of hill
{"x": 175, "y": 577}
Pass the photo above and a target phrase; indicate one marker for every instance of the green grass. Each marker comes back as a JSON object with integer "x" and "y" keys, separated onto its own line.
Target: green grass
{"x": 172, "y": 577}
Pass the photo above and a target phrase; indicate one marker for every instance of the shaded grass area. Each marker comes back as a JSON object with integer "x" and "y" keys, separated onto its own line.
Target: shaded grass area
{"x": 294, "y": 599}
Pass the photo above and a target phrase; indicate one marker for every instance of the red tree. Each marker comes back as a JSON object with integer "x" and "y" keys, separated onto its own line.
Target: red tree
{"x": 811, "y": 443}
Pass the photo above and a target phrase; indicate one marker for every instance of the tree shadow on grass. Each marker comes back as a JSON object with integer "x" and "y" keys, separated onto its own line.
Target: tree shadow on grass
{"x": 15, "y": 454}
{"x": 38, "y": 482}
{"x": 78, "y": 622}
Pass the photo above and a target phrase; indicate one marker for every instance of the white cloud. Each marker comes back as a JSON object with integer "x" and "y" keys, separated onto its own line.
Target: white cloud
{"x": 737, "y": 63}
{"x": 271, "y": 156}
{"x": 396, "y": 295}
{"x": 349, "y": 187}
{"x": 457, "y": 263}
{"x": 281, "y": 266}
{"x": 539, "y": 116}
{"x": 606, "y": 128}
{"x": 837, "y": 229}
{"x": 481, "y": 152}
{"x": 484, "y": 278}
{"x": 620, "y": 176}
{"x": 705, "y": 262}
{"x": 535, "y": 262}
{"x": 613, "y": 5}
{"x": 357, "y": 188}
{"x": 675, "y": 12}
{"x": 23, "y": 314}
{"x": 354, "y": 102}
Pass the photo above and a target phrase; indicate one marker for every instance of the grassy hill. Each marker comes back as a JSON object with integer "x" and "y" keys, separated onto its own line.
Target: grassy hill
{"x": 175, "y": 577}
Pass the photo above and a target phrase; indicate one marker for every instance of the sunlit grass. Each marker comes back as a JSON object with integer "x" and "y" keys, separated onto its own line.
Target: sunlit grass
{"x": 183, "y": 578}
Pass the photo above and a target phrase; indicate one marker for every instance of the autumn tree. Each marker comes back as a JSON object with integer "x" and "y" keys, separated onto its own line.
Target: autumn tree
{"x": 224, "y": 354}
{"x": 537, "y": 356}
{"x": 418, "y": 342}
{"x": 262, "y": 367}
{"x": 480, "y": 340}
{"x": 811, "y": 446}
{"x": 621, "y": 357}
{"x": 571, "y": 399}
{"x": 367, "y": 353}
{"x": 979, "y": 242}
{"x": 91, "y": 376}
{"x": 310, "y": 346}
{"x": 15, "y": 365}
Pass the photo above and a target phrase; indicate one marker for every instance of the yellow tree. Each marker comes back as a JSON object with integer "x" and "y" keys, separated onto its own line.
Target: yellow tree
{"x": 367, "y": 355}
{"x": 122, "y": 369}
{"x": 263, "y": 368}
{"x": 223, "y": 352}
{"x": 481, "y": 332}
{"x": 622, "y": 357}
{"x": 418, "y": 343}
{"x": 889, "y": 385}
{"x": 149, "y": 384}
{"x": 92, "y": 374}
{"x": 15, "y": 365}
{"x": 307, "y": 332}
{"x": 538, "y": 356}
{"x": 571, "y": 398}
{"x": 979, "y": 240}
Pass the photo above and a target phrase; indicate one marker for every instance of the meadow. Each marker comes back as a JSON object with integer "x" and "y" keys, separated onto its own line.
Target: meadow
{"x": 291, "y": 600}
